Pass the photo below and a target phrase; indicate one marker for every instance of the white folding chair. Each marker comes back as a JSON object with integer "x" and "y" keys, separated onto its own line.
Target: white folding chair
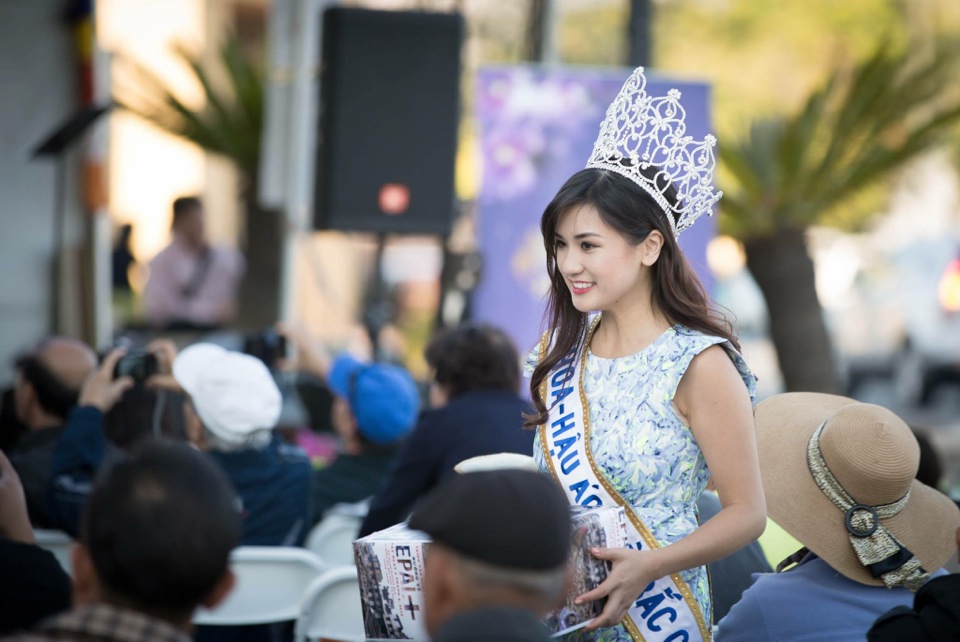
{"x": 331, "y": 608}
{"x": 354, "y": 509}
{"x": 58, "y": 543}
{"x": 271, "y": 581}
{"x": 332, "y": 539}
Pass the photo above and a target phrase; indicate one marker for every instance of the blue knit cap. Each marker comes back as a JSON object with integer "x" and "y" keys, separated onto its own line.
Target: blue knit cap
{"x": 383, "y": 397}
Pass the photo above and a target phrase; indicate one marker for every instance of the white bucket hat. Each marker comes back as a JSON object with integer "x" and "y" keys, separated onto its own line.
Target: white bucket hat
{"x": 233, "y": 393}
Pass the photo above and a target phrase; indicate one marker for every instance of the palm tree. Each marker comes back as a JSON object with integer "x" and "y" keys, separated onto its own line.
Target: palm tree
{"x": 229, "y": 123}
{"x": 810, "y": 168}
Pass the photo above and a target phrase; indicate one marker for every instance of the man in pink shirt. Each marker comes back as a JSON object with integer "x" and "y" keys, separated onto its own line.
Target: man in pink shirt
{"x": 192, "y": 284}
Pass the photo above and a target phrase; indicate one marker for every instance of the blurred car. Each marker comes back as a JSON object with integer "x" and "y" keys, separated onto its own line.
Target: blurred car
{"x": 900, "y": 317}
{"x": 893, "y": 315}
{"x": 930, "y": 356}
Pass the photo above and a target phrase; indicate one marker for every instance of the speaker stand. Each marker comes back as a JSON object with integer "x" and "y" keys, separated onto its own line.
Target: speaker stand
{"x": 379, "y": 310}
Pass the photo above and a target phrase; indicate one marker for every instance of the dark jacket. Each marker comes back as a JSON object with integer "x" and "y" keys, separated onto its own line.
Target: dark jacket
{"x": 274, "y": 486}
{"x": 350, "y": 479}
{"x": 82, "y": 449}
{"x": 273, "y": 483}
{"x": 935, "y": 615}
{"x": 475, "y": 423}
{"x": 493, "y": 624}
{"x": 32, "y": 458}
{"x": 33, "y": 586}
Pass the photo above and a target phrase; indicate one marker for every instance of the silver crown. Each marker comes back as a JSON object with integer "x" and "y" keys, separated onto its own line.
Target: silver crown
{"x": 640, "y": 132}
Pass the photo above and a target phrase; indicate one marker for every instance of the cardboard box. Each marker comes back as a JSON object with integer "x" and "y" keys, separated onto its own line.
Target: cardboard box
{"x": 592, "y": 527}
{"x": 390, "y": 566}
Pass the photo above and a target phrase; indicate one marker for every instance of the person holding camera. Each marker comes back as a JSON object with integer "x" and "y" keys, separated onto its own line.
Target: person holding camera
{"x": 116, "y": 410}
{"x": 83, "y": 446}
{"x": 232, "y": 407}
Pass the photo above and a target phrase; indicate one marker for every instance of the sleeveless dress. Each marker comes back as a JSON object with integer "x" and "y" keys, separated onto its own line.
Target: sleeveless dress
{"x": 643, "y": 448}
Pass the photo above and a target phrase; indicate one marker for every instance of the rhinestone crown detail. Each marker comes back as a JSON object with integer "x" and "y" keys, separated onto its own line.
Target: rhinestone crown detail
{"x": 642, "y": 132}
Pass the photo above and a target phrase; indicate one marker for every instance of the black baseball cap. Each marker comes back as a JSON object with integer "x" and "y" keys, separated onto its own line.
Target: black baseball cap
{"x": 516, "y": 519}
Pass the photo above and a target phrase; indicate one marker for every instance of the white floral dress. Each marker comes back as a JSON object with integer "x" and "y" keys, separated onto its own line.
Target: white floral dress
{"x": 643, "y": 448}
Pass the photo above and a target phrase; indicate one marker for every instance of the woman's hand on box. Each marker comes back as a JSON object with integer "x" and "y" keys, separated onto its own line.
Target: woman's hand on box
{"x": 632, "y": 572}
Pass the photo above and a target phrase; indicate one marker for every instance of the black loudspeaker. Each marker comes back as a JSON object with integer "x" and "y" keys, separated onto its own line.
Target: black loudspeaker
{"x": 389, "y": 110}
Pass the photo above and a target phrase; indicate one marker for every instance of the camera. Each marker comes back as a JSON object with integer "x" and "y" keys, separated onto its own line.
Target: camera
{"x": 139, "y": 365}
{"x": 266, "y": 345}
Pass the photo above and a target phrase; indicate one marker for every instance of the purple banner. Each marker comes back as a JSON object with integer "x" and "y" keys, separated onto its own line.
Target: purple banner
{"x": 537, "y": 128}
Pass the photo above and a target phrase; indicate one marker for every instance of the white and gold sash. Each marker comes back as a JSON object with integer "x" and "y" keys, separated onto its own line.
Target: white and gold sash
{"x": 666, "y": 611}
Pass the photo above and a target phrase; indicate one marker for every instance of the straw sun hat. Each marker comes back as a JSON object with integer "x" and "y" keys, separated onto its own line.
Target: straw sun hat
{"x": 873, "y": 456}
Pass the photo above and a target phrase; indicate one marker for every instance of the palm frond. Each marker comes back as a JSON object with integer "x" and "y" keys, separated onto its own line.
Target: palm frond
{"x": 861, "y": 125}
{"x": 231, "y": 115}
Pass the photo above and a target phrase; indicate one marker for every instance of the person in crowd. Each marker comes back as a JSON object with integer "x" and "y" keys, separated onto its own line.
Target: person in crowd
{"x": 122, "y": 265}
{"x": 10, "y": 425}
{"x": 930, "y": 470}
{"x": 143, "y": 413}
{"x": 476, "y": 411}
{"x": 48, "y": 381}
{"x": 498, "y": 556}
{"x": 155, "y": 545}
{"x": 777, "y": 543}
{"x": 192, "y": 284}
{"x": 935, "y": 616}
{"x": 839, "y": 476}
{"x": 83, "y": 447}
{"x": 730, "y": 576}
{"x": 639, "y": 389}
{"x": 375, "y": 407}
{"x": 112, "y": 415}
{"x": 121, "y": 258}
{"x": 233, "y": 404}
{"x": 32, "y": 583}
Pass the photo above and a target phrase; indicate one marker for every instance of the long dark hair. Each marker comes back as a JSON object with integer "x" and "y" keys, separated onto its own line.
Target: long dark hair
{"x": 626, "y": 207}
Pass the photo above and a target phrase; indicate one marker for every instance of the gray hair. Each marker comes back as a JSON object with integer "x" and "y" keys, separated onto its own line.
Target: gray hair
{"x": 257, "y": 440}
{"x": 547, "y": 586}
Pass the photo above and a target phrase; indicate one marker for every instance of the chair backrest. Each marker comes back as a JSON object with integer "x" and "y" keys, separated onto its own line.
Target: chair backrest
{"x": 271, "y": 581}
{"x": 58, "y": 543}
{"x": 353, "y": 509}
{"x": 331, "y": 608}
{"x": 332, "y": 539}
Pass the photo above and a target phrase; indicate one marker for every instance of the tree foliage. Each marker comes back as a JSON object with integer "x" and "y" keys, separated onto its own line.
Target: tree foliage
{"x": 227, "y": 122}
{"x": 230, "y": 119}
{"x": 864, "y": 122}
